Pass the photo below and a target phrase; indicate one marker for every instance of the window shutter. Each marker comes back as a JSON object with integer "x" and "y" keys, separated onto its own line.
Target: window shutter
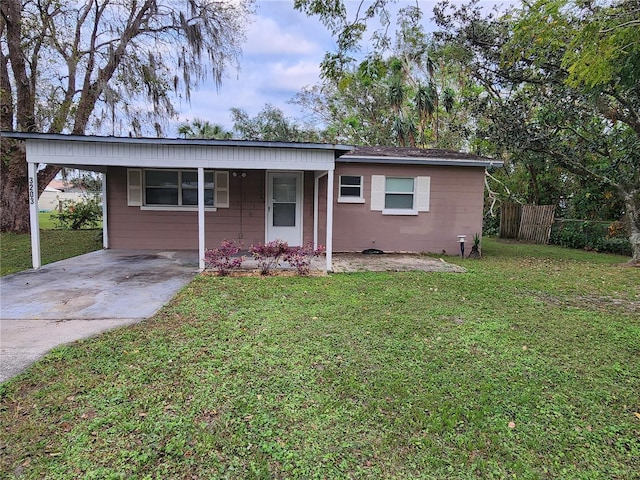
{"x": 377, "y": 192}
{"x": 134, "y": 187}
{"x": 423, "y": 192}
{"x": 221, "y": 185}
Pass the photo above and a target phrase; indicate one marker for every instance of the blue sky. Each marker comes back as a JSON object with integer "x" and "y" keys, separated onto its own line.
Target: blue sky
{"x": 281, "y": 55}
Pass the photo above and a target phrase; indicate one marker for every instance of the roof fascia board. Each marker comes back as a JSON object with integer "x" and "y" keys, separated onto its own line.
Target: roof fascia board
{"x": 420, "y": 161}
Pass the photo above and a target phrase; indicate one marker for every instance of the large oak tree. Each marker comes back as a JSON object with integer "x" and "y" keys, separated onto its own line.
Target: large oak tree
{"x": 102, "y": 66}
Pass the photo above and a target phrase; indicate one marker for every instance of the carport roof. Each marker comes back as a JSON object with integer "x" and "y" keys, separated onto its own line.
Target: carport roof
{"x": 98, "y": 153}
{"x": 337, "y": 148}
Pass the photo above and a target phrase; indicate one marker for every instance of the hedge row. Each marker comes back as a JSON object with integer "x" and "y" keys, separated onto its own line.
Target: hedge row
{"x": 591, "y": 235}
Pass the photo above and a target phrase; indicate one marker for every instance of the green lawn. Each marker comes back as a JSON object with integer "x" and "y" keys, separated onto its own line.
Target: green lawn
{"x": 525, "y": 367}
{"x": 15, "y": 249}
{"x": 47, "y": 220}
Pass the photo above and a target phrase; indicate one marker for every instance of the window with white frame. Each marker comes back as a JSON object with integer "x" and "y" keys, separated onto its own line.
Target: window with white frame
{"x": 350, "y": 189}
{"x": 400, "y": 195}
{"x": 176, "y": 187}
{"x": 169, "y": 189}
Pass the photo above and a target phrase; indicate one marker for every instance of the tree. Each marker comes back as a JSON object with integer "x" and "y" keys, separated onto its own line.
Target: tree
{"x": 548, "y": 98}
{"x": 198, "y": 128}
{"x": 349, "y": 29}
{"x": 271, "y": 125}
{"x": 398, "y": 95}
{"x": 69, "y": 66}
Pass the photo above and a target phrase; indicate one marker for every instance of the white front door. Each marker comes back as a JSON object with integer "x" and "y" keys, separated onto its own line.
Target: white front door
{"x": 284, "y": 207}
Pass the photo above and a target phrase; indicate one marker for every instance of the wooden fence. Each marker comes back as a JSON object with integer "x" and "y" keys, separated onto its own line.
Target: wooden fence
{"x": 529, "y": 223}
{"x": 510, "y": 220}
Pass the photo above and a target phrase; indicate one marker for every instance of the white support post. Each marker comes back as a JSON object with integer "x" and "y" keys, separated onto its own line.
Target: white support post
{"x": 201, "y": 235}
{"x": 316, "y": 182}
{"x": 316, "y": 206}
{"x": 32, "y": 169}
{"x": 105, "y": 228}
{"x": 329, "y": 240}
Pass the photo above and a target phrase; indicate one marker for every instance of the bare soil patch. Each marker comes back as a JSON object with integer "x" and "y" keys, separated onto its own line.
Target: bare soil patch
{"x": 593, "y": 302}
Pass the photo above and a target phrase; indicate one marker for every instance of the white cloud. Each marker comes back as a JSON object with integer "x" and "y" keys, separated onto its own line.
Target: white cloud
{"x": 268, "y": 37}
{"x": 295, "y": 76}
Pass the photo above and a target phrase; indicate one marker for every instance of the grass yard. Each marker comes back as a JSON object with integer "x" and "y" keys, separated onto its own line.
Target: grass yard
{"x": 15, "y": 249}
{"x": 525, "y": 367}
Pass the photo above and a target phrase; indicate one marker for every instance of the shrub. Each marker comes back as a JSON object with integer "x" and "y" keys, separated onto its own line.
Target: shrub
{"x": 591, "y": 235}
{"x": 224, "y": 259}
{"x": 268, "y": 255}
{"x": 491, "y": 225}
{"x": 75, "y": 215}
{"x": 300, "y": 257}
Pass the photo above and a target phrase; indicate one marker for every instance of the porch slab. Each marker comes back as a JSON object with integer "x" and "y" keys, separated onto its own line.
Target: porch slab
{"x": 358, "y": 262}
{"x": 389, "y": 262}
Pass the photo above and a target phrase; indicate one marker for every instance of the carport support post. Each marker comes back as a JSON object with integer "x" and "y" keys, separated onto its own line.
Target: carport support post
{"x": 201, "y": 237}
{"x": 329, "y": 240}
{"x": 316, "y": 186}
{"x": 32, "y": 169}
{"x": 105, "y": 227}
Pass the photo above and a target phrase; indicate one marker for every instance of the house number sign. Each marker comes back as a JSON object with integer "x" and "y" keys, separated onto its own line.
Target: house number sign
{"x": 32, "y": 191}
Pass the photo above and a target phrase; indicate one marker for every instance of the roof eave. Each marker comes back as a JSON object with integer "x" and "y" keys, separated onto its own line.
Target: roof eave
{"x": 421, "y": 161}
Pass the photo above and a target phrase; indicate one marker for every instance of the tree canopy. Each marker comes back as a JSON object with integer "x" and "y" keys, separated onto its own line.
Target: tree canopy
{"x": 271, "y": 125}
{"x": 198, "y": 128}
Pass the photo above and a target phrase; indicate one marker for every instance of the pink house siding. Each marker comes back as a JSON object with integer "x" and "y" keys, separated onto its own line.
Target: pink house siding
{"x": 244, "y": 220}
{"x": 456, "y": 208}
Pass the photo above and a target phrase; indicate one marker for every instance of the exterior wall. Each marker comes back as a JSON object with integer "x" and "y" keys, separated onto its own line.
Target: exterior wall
{"x": 456, "y": 208}
{"x": 244, "y": 220}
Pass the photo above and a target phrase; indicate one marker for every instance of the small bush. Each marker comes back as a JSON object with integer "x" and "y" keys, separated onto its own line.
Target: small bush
{"x": 224, "y": 259}
{"x": 491, "y": 225}
{"x": 75, "y": 215}
{"x": 269, "y": 255}
{"x": 300, "y": 257}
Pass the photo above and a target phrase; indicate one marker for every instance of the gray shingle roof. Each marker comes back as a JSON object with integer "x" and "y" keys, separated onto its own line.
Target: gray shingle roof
{"x": 417, "y": 156}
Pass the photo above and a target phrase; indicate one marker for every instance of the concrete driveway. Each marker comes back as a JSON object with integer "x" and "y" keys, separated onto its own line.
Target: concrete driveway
{"x": 82, "y": 296}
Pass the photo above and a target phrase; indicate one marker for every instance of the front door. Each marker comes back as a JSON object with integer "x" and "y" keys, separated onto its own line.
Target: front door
{"x": 284, "y": 207}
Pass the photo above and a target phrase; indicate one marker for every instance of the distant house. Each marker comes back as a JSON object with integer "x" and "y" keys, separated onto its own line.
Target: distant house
{"x": 192, "y": 194}
{"x": 57, "y": 192}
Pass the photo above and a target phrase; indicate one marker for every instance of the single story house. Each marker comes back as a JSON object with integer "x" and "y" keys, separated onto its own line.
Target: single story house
{"x": 178, "y": 194}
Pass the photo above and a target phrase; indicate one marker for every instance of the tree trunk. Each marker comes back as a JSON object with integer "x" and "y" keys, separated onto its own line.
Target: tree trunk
{"x": 14, "y": 198}
{"x": 632, "y": 207}
{"x": 14, "y": 191}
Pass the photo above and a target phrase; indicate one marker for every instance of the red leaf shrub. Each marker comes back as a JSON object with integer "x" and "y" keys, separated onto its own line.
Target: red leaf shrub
{"x": 224, "y": 259}
{"x": 268, "y": 255}
{"x": 300, "y": 257}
